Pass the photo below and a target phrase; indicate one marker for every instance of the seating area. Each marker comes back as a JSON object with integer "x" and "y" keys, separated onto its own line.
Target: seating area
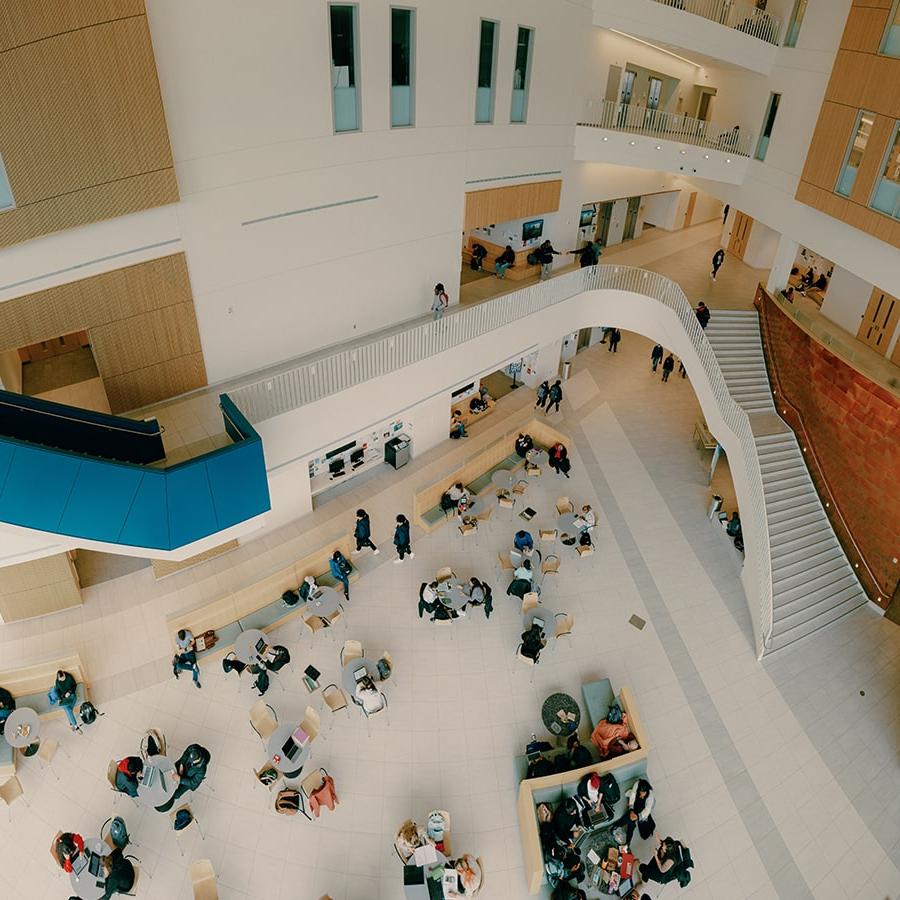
{"x": 476, "y": 473}
{"x": 467, "y": 417}
{"x": 552, "y": 789}
{"x": 521, "y": 270}
{"x": 258, "y": 605}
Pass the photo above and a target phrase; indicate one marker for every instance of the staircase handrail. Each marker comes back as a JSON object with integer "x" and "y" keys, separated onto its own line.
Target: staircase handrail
{"x": 743, "y": 17}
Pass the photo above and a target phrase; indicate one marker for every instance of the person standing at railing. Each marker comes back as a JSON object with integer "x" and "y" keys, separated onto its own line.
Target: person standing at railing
{"x": 588, "y": 255}
{"x": 440, "y": 302}
{"x": 717, "y": 260}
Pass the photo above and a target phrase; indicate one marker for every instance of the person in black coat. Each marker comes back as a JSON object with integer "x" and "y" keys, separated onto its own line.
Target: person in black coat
{"x": 614, "y": 337}
{"x": 556, "y": 396}
{"x": 401, "y": 539}
{"x": 668, "y": 366}
{"x": 120, "y": 874}
{"x": 524, "y": 443}
{"x": 533, "y": 641}
{"x": 702, "y": 313}
{"x": 363, "y": 531}
{"x": 191, "y": 768}
{"x": 656, "y": 355}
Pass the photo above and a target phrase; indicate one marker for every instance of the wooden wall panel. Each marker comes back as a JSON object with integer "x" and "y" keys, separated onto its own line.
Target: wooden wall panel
{"x": 870, "y": 166}
{"x": 141, "y": 322}
{"x": 83, "y": 132}
{"x": 26, "y": 21}
{"x": 873, "y": 4}
{"x": 882, "y": 227}
{"x": 865, "y": 29}
{"x": 865, "y": 81}
{"x": 829, "y": 144}
{"x": 514, "y": 202}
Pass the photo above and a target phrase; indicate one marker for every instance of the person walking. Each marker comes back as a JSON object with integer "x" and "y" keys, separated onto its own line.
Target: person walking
{"x": 656, "y": 355}
{"x": 545, "y": 254}
{"x": 614, "y": 337}
{"x": 682, "y": 371}
{"x": 668, "y": 365}
{"x": 440, "y": 302}
{"x": 401, "y": 539}
{"x": 555, "y": 397}
{"x": 543, "y": 393}
{"x": 717, "y": 260}
{"x": 702, "y": 313}
{"x": 362, "y": 531}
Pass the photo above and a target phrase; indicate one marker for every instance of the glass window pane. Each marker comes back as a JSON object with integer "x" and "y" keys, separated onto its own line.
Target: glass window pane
{"x": 890, "y": 46}
{"x": 343, "y": 67}
{"x": 6, "y": 197}
{"x": 401, "y": 67}
{"x": 484, "y": 98}
{"x": 762, "y": 147}
{"x": 887, "y": 192}
{"x": 796, "y": 20}
{"x": 521, "y": 75}
{"x": 855, "y": 153}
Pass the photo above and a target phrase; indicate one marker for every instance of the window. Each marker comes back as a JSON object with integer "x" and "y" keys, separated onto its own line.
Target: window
{"x": 344, "y": 77}
{"x": 521, "y": 75}
{"x": 487, "y": 55}
{"x": 402, "y": 49}
{"x": 6, "y": 197}
{"x": 796, "y": 20}
{"x": 890, "y": 46}
{"x": 762, "y": 146}
{"x": 887, "y": 191}
{"x": 861, "y": 132}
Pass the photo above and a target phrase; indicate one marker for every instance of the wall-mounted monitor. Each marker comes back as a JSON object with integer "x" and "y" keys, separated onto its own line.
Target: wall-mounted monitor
{"x": 587, "y": 218}
{"x": 532, "y": 230}
{"x": 339, "y": 450}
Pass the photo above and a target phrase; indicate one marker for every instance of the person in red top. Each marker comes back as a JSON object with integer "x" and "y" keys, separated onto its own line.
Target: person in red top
{"x": 128, "y": 774}
{"x": 68, "y": 848}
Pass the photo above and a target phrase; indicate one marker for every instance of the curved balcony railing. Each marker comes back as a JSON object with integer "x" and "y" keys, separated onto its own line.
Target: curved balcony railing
{"x": 667, "y": 126}
{"x": 743, "y": 17}
{"x": 282, "y": 389}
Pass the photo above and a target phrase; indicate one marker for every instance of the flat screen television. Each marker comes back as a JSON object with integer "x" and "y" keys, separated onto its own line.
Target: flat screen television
{"x": 587, "y": 218}
{"x": 532, "y": 230}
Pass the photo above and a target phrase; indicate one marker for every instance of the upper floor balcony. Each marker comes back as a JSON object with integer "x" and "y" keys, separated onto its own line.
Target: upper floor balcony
{"x": 630, "y": 135}
{"x": 735, "y": 32}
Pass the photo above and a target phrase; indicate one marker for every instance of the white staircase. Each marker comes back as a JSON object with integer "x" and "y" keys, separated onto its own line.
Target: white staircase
{"x": 812, "y": 581}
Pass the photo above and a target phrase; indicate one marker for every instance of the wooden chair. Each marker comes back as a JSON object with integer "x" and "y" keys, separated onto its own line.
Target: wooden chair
{"x": 389, "y": 660}
{"x": 564, "y": 505}
{"x": 10, "y": 791}
{"x": 111, "y": 769}
{"x": 203, "y": 880}
{"x": 180, "y": 834}
{"x": 585, "y": 549}
{"x": 312, "y": 722}
{"x": 444, "y": 574}
{"x": 400, "y": 830}
{"x": 335, "y": 699}
{"x": 480, "y": 887}
{"x": 520, "y": 486}
{"x": 263, "y": 720}
{"x": 381, "y": 709}
{"x": 564, "y": 624}
{"x": 158, "y": 738}
{"x": 313, "y": 625}
{"x": 258, "y": 775}
{"x": 46, "y": 753}
{"x": 550, "y": 566}
{"x": 505, "y": 562}
{"x": 485, "y": 514}
{"x": 443, "y": 625}
{"x": 350, "y": 651}
{"x": 530, "y": 601}
{"x": 310, "y": 784}
{"x": 548, "y": 535}
{"x": 505, "y": 501}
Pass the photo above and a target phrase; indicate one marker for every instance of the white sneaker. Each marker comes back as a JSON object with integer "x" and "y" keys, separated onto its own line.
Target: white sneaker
{"x": 397, "y": 560}
{"x": 375, "y": 552}
{"x": 411, "y": 554}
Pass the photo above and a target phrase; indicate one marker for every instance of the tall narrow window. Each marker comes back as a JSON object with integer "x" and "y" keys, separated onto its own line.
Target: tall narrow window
{"x": 762, "y": 146}
{"x": 344, "y": 75}
{"x": 794, "y": 23}
{"x": 6, "y": 197}
{"x": 402, "y": 50}
{"x": 521, "y": 75}
{"x": 846, "y": 179}
{"x": 886, "y": 198}
{"x": 487, "y": 55}
{"x": 890, "y": 46}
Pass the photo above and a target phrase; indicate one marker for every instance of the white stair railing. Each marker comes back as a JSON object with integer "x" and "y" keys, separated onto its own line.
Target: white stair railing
{"x": 743, "y": 17}
{"x": 666, "y": 126}
{"x": 297, "y": 383}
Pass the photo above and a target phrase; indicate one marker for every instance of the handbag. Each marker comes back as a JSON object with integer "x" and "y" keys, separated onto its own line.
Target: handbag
{"x": 614, "y": 714}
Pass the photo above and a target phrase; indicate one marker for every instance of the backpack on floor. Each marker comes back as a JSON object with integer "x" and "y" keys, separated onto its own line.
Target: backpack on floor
{"x": 290, "y": 598}
{"x": 287, "y": 802}
{"x": 183, "y": 818}
{"x": 262, "y": 682}
{"x": 88, "y": 713}
{"x": 447, "y": 503}
{"x": 565, "y": 465}
{"x": 118, "y": 833}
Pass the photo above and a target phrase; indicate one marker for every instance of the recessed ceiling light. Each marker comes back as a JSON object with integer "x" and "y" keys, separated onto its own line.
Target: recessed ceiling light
{"x": 605, "y": 138}
{"x": 728, "y": 160}
{"x": 706, "y": 156}
{"x": 658, "y": 147}
{"x": 631, "y": 37}
{"x": 683, "y": 152}
{"x": 632, "y": 143}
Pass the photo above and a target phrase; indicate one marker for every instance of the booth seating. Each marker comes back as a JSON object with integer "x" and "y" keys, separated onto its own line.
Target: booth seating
{"x": 259, "y": 605}
{"x": 518, "y": 272}
{"x": 476, "y": 473}
{"x": 466, "y": 414}
{"x": 552, "y": 789}
{"x": 30, "y": 684}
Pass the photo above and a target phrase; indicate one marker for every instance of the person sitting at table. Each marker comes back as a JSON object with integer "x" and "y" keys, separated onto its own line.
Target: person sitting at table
{"x": 519, "y": 587}
{"x": 524, "y": 443}
{"x": 524, "y": 571}
{"x": 468, "y": 876}
{"x": 428, "y": 597}
{"x": 64, "y": 693}
{"x": 368, "y": 696}
{"x": 458, "y": 495}
{"x": 340, "y": 569}
{"x": 480, "y": 595}
{"x": 566, "y": 891}
{"x": 587, "y": 520}
{"x": 457, "y": 426}
{"x": 7, "y": 706}
{"x": 639, "y": 805}
{"x": 443, "y": 613}
{"x": 409, "y": 838}
{"x": 590, "y": 792}
{"x": 67, "y": 848}
{"x": 523, "y": 541}
{"x": 566, "y": 822}
{"x": 129, "y": 772}
{"x": 613, "y": 738}
{"x": 119, "y": 874}
{"x": 190, "y": 768}
{"x": 308, "y": 588}
{"x": 579, "y": 755}
{"x": 533, "y": 641}
{"x": 185, "y": 659}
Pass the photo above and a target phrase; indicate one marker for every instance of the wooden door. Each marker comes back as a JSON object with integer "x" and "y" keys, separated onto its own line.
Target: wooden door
{"x": 689, "y": 212}
{"x": 740, "y": 234}
{"x": 604, "y": 217}
{"x": 879, "y": 321}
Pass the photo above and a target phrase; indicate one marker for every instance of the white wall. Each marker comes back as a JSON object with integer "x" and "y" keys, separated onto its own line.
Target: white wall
{"x": 846, "y": 299}
{"x": 11, "y": 371}
{"x": 762, "y": 246}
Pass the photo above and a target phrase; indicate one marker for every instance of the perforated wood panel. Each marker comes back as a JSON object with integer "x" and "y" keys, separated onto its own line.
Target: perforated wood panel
{"x": 141, "y": 323}
{"x": 83, "y": 132}
{"x": 514, "y": 202}
{"x": 39, "y": 587}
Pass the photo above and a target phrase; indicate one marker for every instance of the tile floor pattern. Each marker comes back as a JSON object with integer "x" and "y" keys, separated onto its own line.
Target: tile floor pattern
{"x": 774, "y": 774}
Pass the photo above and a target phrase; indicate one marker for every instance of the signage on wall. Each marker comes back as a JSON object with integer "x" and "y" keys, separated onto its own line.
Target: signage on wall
{"x": 356, "y": 452}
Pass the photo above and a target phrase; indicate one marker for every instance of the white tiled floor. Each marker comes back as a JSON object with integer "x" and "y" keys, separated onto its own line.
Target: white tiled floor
{"x": 772, "y": 773}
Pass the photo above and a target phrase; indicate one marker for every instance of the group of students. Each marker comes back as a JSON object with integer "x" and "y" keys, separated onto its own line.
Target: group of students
{"x": 479, "y": 594}
{"x": 668, "y": 364}
{"x": 63, "y": 693}
{"x": 549, "y": 396}
{"x": 411, "y": 837}
{"x": 190, "y": 771}
{"x": 118, "y": 870}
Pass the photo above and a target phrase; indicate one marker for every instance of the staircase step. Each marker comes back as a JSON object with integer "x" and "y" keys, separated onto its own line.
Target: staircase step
{"x": 804, "y": 629}
{"x": 811, "y": 539}
{"x": 775, "y": 459}
{"x": 782, "y": 530}
{"x": 785, "y": 504}
{"x": 789, "y": 595}
{"x": 782, "y": 437}
{"x": 819, "y": 575}
{"x": 780, "y": 516}
{"x": 783, "y": 478}
{"x": 794, "y": 492}
{"x": 817, "y": 601}
{"x": 803, "y": 561}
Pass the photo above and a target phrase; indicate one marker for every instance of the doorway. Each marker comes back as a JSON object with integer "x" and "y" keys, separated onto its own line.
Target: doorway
{"x": 612, "y": 84}
{"x": 604, "y": 217}
{"x": 703, "y": 105}
{"x": 689, "y": 212}
{"x": 631, "y": 217}
{"x": 654, "y": 93}
{"x": 879, "y": 321}
{"x": 628, "y": 86}
{"x": 740, "y": 234}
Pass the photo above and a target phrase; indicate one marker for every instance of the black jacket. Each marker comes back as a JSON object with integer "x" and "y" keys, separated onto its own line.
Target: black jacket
{"x": 363, "y": 529}
{"x": 401, "y": 535}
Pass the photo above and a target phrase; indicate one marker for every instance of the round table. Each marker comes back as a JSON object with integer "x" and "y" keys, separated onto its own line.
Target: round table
{"x": 325, "y": 604}
{"x": 475, "y": 508}
{"x": 516, "y": 557}
{"x": 27, "y": 718}
{"x": 290, "y": 768}
{"x": 349, "y": 682}
{"x": 537, "y": 457}
{"x": 245, "y": 646}
{"x": 452, "y": 594}
{"x": 545, "y": 614}
{"x": 156, "y": 794}
{"x": 556, "y": 703}
{"x": 566, "y": 523}
{"x": 503, "y": 478}
{"x": 85, "y": 885}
